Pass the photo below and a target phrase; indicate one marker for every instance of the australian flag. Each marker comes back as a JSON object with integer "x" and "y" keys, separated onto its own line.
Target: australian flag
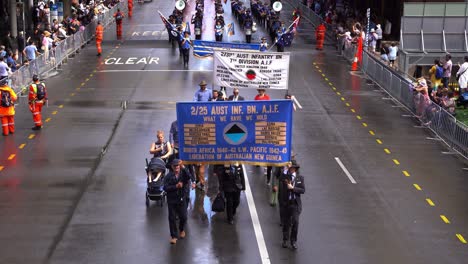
{"x": 230, "y": 29}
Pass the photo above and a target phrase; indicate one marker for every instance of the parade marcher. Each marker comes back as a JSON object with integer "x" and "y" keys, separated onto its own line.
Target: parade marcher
{"x": 161, "y": 148}
{"x": 231, "y": 183}
{"x": 263, "y": 45}
{"x": 320, "y": 36}
{"x": 118, "y": 22}
{"x": 279, "y": 41}
{"x": 289, "y": 196}
{"x": 99, "y": 37}
{"x": 203, "y": 94}
{"x": 235, "y": 96}
{"x": 37, "y": 98}
{"x": 278, "y": 173}
{"x": 174, "y": 139}
{"x": 130, "y": 8}
{"x": 248, "y": 24}
{"x": 219, "y": 29}
{"x": 174, "y": 186}
{"x": 261, "y": 95}
{"x": 185, "y": 172}
{"x": 7, "y": 108}
{"x": 186, "y": 43}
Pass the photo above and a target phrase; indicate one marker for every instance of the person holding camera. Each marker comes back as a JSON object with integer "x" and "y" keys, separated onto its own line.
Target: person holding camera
{"x": 175, "y": 183}
{"x": 289, "y": 197}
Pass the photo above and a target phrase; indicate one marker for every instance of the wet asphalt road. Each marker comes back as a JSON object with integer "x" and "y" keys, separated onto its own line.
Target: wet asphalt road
{"x": 74, "y": 192}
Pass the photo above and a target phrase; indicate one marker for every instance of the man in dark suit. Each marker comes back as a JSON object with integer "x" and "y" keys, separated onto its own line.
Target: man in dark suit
{"x": 231, "y": 183}
{"x": 235, "y": 96}
{"x": 289, "y": 196}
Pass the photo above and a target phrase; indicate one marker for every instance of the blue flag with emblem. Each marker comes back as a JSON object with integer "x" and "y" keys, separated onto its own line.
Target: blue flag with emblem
{"x": 253, "y": 132}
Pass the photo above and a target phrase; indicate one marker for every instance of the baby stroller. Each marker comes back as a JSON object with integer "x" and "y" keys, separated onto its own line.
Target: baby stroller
{"x": 155, "y": 170}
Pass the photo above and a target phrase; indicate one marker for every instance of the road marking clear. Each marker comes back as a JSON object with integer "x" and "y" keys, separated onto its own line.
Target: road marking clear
{"x": 334, "y": 88}
{"x": 326, "y": 79}
{"x": 83, "y": 84}
{"x": 12, "y": 156}
{"x": 338, "y": 93}
{"x": 22, "y": 146}
{"x": 417, "y": 187}
{"x": 461, "y": 238}
{"x": 379, "y": 141}
{"x": 358, "y": 117}
{"x": 31, "y": 136}
{"x": 364, "y": 124}
{"x": 406, "y": 173}
{"x": 345, "y": 170}
{"x": 319, "y": 70}
{"x": 343, "y": 99}
{"x": 48, "y": 119}
{"x": 352, "y": 110}
{"x": 323, "y": 75}
{"x": 445, "y": 219}
{"x": 348, "y": 105}
{"x": 387, "y": 151}
{"x": 396, "y": 162}
{"x": 255, "y": 221}
{"x": 430, "y": 202}
{"x": 331, "y": 84}
{"x": 372, "y": 132}
{"x": 60, "y": 106}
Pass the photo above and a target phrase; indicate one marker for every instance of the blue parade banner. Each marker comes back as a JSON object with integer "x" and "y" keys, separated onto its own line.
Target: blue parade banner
{"x": 203, "y": 49}
{"x": 253, "y": 132}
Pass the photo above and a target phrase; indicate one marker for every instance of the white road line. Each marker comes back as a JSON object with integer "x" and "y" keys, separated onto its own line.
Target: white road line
{"x": 345, "y": 170}
{"x": 255, "y": 221}
{"x": 156, "y": 71}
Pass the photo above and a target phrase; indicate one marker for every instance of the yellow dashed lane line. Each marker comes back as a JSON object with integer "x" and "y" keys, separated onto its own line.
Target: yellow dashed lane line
{"x": 445, "y": 219}
{"x": 2, "y": 167}
{"x": 22, "y": 146}
{"x": 430, "y": 202}
{"x": 396, "y": 162}
{"x": 364, "y": 124}
{"x": 31, "y": 136}
{"x": 461, "y": 238}
{"x": 12, "y": 156}
{"x": 348, "y": 105}
{"x": 372, "y": 132}
{"x": 48, "y": 119}
{"x": 406, "y": 173}
{"x": 60, "y": 106}
{"x": 358, "y": 117}
{"x": 352, "y": 110}
{"x": 417, "y": 187}
{"x": 379, "y": 141}
{"x": 387, "y": 151}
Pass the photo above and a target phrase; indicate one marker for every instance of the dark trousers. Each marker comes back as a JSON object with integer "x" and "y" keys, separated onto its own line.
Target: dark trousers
{"x": 290, "y": 220}
{"x": 248, "y": 38}
{"x": 269, "y": 168}
{"x": 185, "y": 53}
{"x": 445, "y": 81}
{"x": 279, "y": 48}
{"x": 219, "y": 37}
{"x": 232, "y": 202}
{"x": 180, "y": 210}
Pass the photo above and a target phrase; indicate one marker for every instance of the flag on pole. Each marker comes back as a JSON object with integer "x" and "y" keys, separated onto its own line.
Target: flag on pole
{"x": 165, "y": 21}
{"x": 186, "y": 26}
{"x": 230, "y": 29}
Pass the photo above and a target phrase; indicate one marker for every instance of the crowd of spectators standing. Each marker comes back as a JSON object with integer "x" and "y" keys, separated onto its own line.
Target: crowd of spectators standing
{"x": 48, "y": 32}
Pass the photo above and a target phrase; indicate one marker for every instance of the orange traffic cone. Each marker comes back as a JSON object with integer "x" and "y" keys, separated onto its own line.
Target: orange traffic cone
{"x": 354, "y": 66}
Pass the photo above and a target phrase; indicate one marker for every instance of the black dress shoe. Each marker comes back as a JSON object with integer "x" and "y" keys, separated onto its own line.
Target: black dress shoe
{"x": 293, "y": 245}
{"x": 36, "y": 128}
{"x": 285, "y": 244}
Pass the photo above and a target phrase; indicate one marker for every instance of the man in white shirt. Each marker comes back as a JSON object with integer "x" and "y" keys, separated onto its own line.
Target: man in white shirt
{"x": 235, "y": 96}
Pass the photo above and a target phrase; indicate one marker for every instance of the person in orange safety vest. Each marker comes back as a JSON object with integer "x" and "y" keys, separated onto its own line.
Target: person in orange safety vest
{"x": 7, "y": 108}
{"x": 130, "y": 8}
{"x": 37, "y": 98}
{"x": 118, "y": 21}
{"x": 320, "y": 36}
{"x": 99, "y": 37}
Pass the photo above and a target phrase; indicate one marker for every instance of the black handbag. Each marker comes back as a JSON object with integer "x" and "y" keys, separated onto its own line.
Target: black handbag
{"x": 218, "y": 203}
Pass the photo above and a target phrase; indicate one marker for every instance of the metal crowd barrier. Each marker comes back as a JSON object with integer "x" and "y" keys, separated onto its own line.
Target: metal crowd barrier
{"x": 441, "y": 122}
{"x": 59, "y": 54}
{"x": 315, "y": 19}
